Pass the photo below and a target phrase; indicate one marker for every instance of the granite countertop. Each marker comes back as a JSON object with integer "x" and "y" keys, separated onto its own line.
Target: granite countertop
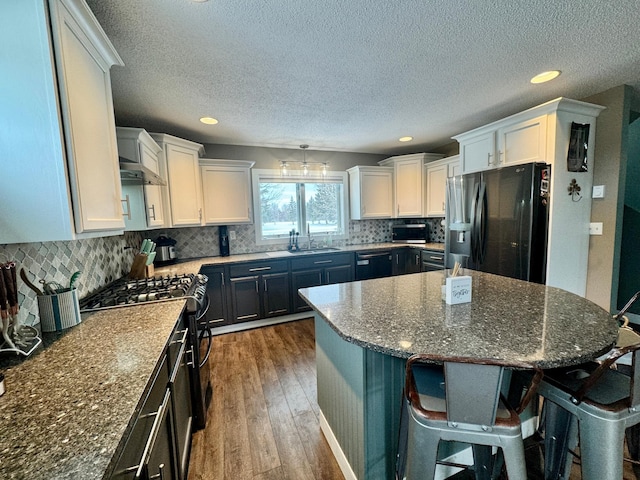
{"x": 67, "y": 408}
{"x": 507, "y": 319}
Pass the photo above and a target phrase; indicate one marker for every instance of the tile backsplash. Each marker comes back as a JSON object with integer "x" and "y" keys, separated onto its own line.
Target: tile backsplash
{"x": 101, "y": 260}
{"x": 203, "y": 241}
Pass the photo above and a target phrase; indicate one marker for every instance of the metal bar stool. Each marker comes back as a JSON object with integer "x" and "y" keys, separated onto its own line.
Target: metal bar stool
{"x": 593, "y": 404}
{"x": 463, "y": 403}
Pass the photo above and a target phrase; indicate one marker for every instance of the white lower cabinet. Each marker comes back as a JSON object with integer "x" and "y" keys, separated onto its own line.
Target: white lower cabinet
{"x": 61, "y": 175}
{"x": 226, "y": 191}
{"x": 179, "y": 165}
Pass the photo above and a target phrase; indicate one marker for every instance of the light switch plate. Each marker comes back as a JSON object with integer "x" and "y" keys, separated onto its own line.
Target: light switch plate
{"x": 598, "y": 191}
{"x": 595, "y": 228}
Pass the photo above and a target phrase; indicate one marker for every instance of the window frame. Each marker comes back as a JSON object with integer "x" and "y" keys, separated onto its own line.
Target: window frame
{"x": 275, "y": 176}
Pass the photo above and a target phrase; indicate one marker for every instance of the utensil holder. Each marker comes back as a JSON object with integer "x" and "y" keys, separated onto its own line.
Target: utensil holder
{"x": 60, "y": 311}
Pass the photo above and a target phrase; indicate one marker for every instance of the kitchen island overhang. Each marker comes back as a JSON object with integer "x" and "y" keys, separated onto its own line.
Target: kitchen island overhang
{"x": 365, "y": 331}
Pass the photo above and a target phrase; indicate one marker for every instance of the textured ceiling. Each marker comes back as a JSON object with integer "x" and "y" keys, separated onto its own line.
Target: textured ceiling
{"x": 354, "y": 75}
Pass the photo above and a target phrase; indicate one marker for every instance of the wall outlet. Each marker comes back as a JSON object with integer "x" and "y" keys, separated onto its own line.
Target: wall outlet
{"x": 232, "y": 234}
{"x": 356, "y": 227}
{"x": 595, "y": 228}
{"x": 598, "y": 191}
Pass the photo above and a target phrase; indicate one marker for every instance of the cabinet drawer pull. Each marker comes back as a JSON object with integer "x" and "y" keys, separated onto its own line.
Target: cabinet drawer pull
{"x": 322, "y": 261}
{"x": 434, "y": 257}
{"x": 259, "y": 269}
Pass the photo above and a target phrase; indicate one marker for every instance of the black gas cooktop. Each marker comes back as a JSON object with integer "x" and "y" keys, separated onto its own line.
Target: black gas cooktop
{"x": 125, "y": 292}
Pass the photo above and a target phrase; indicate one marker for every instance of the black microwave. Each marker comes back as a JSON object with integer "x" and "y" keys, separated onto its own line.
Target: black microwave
{"x": 410, "y": 233}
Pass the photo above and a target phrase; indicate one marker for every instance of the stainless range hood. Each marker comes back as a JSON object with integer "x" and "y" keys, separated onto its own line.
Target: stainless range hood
{"x": 130, "y": 170}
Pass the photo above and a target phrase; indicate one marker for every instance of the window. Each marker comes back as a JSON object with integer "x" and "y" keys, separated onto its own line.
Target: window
{"x": 297, "y": 202}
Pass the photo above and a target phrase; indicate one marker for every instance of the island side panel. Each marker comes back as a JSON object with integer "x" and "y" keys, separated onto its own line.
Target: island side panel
{"x": 359, "y": 393}
{"x": 384, "y": 382}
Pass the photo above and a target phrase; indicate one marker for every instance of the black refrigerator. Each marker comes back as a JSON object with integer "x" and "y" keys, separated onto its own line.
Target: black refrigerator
{"x": 497, "y": 221}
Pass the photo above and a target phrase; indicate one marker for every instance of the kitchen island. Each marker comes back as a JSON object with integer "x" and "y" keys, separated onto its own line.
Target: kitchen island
{"x": 366, "y": 330}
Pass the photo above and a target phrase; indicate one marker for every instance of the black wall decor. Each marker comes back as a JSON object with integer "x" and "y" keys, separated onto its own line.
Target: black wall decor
{"x": 578, "y": 144}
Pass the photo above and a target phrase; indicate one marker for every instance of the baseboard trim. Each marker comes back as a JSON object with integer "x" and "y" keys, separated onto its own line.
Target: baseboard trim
{"x": 264, "y": 322}
{"x": 339, "y": 455}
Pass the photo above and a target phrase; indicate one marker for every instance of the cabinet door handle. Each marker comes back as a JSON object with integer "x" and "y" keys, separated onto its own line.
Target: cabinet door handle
{"x": 319, "y": 262}
{"x": 152, "y": 209}
{"x": 222, "y": 278}
{"x": 259, "y": 269}
{"x": 266, "y": 289}
{"x": 200, "y": 214}
{"x": 127, "y": 202}
{"x": 500, "y": 156}
{"x": 257, "y": 287}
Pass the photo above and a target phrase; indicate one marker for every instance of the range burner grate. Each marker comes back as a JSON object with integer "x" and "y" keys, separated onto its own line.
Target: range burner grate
{"x": 125, "y": 292}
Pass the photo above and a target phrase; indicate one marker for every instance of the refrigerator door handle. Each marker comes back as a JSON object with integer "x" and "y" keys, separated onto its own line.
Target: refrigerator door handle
{"x": 482, "y": 223}
{"x": 474, "y": 234}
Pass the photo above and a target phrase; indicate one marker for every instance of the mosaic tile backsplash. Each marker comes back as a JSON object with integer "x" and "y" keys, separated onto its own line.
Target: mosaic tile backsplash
{"x": 203, "y": 241}
{"x": 101, "y": 260}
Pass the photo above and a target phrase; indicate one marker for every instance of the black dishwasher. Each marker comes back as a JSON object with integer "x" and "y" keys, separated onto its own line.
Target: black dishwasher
{"x": 373, "y": 264}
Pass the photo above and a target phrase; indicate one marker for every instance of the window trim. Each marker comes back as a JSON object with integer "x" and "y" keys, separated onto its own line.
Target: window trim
{"x": 266, "y": 175}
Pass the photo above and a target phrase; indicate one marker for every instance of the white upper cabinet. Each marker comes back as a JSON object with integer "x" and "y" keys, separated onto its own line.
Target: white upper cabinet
{"x": 409, "y": 183}
{"x": 542, "y": 134}
{"x": 137, "y": 146}
{"x": 179, "y": 165}
{"x": 518, "y": 139}
{"x": 370, "y": 192}
{"x": 226, "y": 191}
{"x": 436, "y": 174}
{"x": 61, "y": 177}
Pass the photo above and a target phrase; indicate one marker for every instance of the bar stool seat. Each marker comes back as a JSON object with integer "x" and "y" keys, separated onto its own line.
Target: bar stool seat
{"x": 594, "y": 405}
{"x": 460, "y": 402}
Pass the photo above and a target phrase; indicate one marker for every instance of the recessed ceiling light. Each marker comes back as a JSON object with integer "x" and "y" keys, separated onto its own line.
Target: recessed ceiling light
{"x": 209, "y": 120}
{"x": 545, "y": 76}
{"x": 405, "y": 139}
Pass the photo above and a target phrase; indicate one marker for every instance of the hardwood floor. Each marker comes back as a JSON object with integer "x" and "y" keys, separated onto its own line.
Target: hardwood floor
{"x": 263, "y": 420}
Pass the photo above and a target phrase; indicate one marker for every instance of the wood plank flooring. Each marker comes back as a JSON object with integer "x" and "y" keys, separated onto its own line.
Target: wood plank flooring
{"x": 263, "y": 420}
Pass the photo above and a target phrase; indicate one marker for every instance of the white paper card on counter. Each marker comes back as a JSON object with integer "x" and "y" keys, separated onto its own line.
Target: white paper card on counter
{"x": 458, "y": 290}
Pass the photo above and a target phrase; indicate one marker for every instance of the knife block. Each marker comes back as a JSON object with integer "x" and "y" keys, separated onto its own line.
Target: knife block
{"x": 139, "y": 267}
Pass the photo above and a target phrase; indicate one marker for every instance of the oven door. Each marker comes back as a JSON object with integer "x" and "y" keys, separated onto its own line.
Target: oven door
{"x": 201, "y": 341}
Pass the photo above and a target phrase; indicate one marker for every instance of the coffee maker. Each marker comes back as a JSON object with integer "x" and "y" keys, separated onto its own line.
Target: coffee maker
{"x": 223, "y": 233}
